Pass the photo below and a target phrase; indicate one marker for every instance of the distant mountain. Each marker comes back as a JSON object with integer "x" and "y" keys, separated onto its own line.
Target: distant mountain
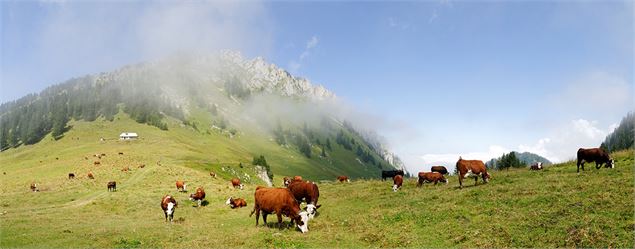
{"x": 623, "y": 136}
{"x": 222, "y": 93}
{"x": 526, "y": 158}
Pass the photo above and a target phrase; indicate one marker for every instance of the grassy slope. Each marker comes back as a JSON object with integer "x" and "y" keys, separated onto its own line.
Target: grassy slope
{"x": 518, "y": 208}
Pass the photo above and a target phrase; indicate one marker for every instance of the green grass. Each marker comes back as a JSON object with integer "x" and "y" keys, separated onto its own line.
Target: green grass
{"x": 551, "y": 208}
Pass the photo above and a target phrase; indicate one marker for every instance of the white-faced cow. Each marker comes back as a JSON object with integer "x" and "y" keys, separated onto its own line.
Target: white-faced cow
{"x": 343, "y": 179}
{"x": 281, "y": 202}
{"x": 440, "y": 169}
{"x": 112, "y": 186}
{"x": 398, "y": 181}
{"x": 198, "y": 196}
{"x": 181, "y": 186}
{"x": 471, "y": 168}
{"x": 308, "y": 192}
{"x": 428, "y": 177}
{"x": 168, "y": 204}
{"x": 236, "y": 202}
{"x": 597, "y": 155}
{"x": 536, "y": 166}
{"x": 34, "y": 187}
{"x": 236, "y": 183}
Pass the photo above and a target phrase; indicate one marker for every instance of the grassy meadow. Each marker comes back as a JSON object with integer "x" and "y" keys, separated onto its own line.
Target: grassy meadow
{"x": 518, "y": 208}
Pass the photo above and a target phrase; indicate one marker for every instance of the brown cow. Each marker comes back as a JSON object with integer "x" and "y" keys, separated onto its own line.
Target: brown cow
{"x": 96, "y": 163}
{"x": 236, "y": 202}
{"x": 431, "y": 177}
{"x": 34, "y": 187}
{"x": 297, "y": 178}
{"x": 471, "y": 168}
{"x": 112, "y": 186}
{"x": 168, "y": 204}
{"x": 212, "y": 174}
{"x": 236, "y": 183}
{"x": 536, "y": 166}
{"x": 125, "y": 169}
{"x": 597, "y": 155}
{"x": 281, "y": 202}
{"x": 308, "y": 192}
{"x": 440, "y": 169}
{"x": 120, "y": 153}
{"x": 398, "y": 181}
{"x": 90, "y": 175}
{"x": 71, "y": 175}
{"x": 181, "y": 186}
{"x": 142, "y": 166}
{"x": 343, "y": 179}
{"x": 198, "y": 196}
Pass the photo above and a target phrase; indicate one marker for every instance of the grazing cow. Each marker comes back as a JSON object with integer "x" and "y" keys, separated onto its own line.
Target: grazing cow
{"x": 90, "y": 175}
{"x": 236, "y": 183}
{"x": 34, "y": 187}
{"x": 343, "y": 179}
{"x": 120, "y": 153}
{"x": 597, "y": 155}
{"x": 126, "y": 169}
{"x": 198, "y": 196}
{"x": 398, "y": 181}
{"x": 308, "y": 192}
{"x": 281, "y": 202}
{"x": 112, "y": 186}
{"x": 471, "y": 168}
{"x": 86, "y": 158}
{"x": 96, "y": 163}
{"x": 286, "y": 181}
{"x": 440, "y": 169}
{"x": 103, "y": 154}
{"x": 71, "y": 175}
{"x": 168, "y": 204}
{"x": 429, "y": 177}
{"x": 212, "y": 174}
{"x": 390, "y": 173}
{"x": 536, "y": 166}
{"x": 236, "y": 203}
{"x": 181, "y": 186}
{"x": 142, "y": 166}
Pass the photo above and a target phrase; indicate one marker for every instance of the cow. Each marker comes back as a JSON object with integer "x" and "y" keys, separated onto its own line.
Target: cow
{"x": 390, "y": 173}
{"x": 281, "y": 202}
{"x": 71, "y": 175}
{"x": 90, "y": 175}
{"x": 181, "y": 186}
{"x": 142, "y": 166}
{"x": 286, "y": 181}
{"x": 34, "y": 187}
{"x": 398, "y": 181}
{"x": 343, "y": 179}
{"x": 125, "y": 169}
{"x": 536, "y": 166}
{"x": 428, "y": 177}
{"x": 112, "y": 186}
{"x": 236, "y": 183}
{"x": 471, "y": 168}
{"x": 168, "y": 204}
{"x": 198, "y": 196}
{"x": 309, "y": 192}
{"x": 86, "y": 158}
{"x": 120, "y": 153}
{"x": 212, "y": 174}
{"x": 103, "y": 154}
{"x": 236, "y": 202}
{"x": 96, "y": 163}
{"x": 439, "y": 169}
{"x": 597, "y": 155}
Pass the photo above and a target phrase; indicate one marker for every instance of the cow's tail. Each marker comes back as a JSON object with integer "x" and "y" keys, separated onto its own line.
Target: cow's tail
{"x": 252, "y": 211}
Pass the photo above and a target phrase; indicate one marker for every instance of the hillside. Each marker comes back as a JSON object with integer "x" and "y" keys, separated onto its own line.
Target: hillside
{"x": 623, "y": 137}
{"x": 518, "y": 208}
{"x": 246, "y": 108}
{"x": 524, "y": 158}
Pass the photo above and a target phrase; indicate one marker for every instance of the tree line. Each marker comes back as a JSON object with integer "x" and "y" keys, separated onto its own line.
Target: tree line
{"x": 622, "y": 137}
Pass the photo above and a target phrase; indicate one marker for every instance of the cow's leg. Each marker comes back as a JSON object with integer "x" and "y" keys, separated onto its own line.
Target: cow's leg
{"x": 578, "y": 164}
{"x": 264, "y": 217}
{"x": 598, "y": 165}
{"x": 460, "y": 180}
{"x": 166, "y": 215}
{"x": 279, "y": 214}
{"x": 258, "y": 216}
{"x": 435, "y": 182}
{"x": 199, "y": 202}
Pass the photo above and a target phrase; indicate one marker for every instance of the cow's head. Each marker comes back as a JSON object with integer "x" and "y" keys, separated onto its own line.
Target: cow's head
{"x": 170, "y": 210}
{"x": 286, "y": 181}
{"x": 302, "y": 221}
{"x": 487, "y": 177}
{"x": 394, "y": 188}
{"x": 241, "y": 186}
{"x": 229, "y": 201}
{"x": 311, "y": 209}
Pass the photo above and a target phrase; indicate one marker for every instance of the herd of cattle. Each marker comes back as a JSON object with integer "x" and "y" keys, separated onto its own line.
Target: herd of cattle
{"x": 286, "y": 200}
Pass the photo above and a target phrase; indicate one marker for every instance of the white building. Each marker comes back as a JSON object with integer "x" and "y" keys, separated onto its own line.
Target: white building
{"x": 128, "y": 136}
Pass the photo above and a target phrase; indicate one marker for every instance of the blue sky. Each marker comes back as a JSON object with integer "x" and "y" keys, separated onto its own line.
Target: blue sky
{"x": 440, "y": 78}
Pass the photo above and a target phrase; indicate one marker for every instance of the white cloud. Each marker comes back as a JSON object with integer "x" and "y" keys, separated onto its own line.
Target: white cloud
{"x": 434, "y": 16}
{"x": 595, "y": 94}
{"x": 449, "y": 160}
{"x": 294, "y": 65}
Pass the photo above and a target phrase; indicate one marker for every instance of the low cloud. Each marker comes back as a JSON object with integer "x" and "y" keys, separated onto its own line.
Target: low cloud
{"x": 295, "y": 65}
{"x": 449, "y": 159}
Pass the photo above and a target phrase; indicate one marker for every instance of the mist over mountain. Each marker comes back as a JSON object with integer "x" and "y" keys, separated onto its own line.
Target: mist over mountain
{"x": 220, "y": 91}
